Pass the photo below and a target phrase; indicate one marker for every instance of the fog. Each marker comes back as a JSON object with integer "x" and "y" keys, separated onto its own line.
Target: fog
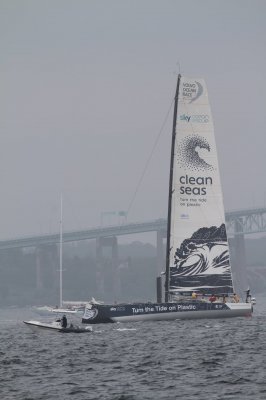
{"x": 86, "y": 88}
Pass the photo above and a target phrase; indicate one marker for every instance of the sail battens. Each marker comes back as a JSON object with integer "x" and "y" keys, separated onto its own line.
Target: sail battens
{"x": 198, "y": 239}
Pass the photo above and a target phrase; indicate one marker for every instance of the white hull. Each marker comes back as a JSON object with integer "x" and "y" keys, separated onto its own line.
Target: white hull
{"x": 46, "y": 310}
{"x": 55, "y": 326}
{"x": 67, "y": 311}
{"x": 38, "y": 326}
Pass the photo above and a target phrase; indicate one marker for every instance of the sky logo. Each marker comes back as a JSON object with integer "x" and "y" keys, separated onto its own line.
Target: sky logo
{"x": 196, "y": 119}
{"x": 185, "y": 117}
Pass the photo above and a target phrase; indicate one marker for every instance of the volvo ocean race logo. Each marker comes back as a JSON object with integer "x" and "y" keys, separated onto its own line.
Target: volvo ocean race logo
{"x": 90, "y": 313}
{"x": 192, "y": 91}
{"x": 191, "y": 151}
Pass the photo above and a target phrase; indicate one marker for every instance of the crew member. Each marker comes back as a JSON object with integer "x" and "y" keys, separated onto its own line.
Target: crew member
{"x": 212, "y": 298}
{"x": 235, "y": 298}
{"x": 64, "y": 321}
{"x": 248, "y": 296}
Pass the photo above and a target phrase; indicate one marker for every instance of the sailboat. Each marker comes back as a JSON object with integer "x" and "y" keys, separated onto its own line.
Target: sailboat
{"x": 198, "y": 275}
{"x": 72, "y": 307}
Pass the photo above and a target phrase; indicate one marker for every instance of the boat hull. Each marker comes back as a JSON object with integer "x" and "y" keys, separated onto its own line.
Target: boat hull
{"x": 47, "y": 311}
{"x": 55, "y": 326}
{"x": 164, "y": 312}
{"x": 38, "y": 326}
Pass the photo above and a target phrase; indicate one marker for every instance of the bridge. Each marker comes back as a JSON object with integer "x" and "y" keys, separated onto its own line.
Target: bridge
{"x": 240, "y": 222}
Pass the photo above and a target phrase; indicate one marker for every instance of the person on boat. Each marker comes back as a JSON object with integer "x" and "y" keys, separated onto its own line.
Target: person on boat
{"x": 64, "y": 321}
{"x": 248, "y": 296}
{"x": 212, "y": 298}
{"x": 194, "y": 295}
{"x": 224, "y": 298}
{"x": 235, "y": 298}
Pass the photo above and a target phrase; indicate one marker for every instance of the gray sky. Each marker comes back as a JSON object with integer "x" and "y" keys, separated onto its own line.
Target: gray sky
{"x": 86, "y": 86}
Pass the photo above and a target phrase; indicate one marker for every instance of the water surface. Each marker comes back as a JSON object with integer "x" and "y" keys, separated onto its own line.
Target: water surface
{"x": 207, "y": 359}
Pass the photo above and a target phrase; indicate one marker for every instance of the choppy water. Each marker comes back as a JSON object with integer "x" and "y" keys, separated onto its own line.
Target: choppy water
{"x": 215, "y": 359}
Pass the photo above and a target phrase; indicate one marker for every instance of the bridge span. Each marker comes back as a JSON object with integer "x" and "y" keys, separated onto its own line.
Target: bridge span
{"x": 240, "y": 222}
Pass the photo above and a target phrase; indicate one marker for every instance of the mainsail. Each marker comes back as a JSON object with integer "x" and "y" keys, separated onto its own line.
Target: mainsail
{"x": 197, "y": 257}
{"x": 198, "y": 246}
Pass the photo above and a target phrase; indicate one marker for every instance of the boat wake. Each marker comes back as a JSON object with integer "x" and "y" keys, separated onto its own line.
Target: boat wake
{"x": 125, "y": 329}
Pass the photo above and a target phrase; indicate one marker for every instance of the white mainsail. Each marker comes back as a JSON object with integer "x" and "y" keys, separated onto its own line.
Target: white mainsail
{"x": 199, "y": 252}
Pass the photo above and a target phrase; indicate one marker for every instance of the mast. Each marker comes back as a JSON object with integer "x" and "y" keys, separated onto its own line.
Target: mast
{"x": 60, "y": 255}
{"x": 167, "y": 269}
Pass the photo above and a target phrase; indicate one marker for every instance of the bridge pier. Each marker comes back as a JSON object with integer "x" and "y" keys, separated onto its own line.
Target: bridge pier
{"x": 39, "y": 282}
{"x": 47, "y": 278}
{"x": 239, "y": 258}
{"x": 104, "y": 286}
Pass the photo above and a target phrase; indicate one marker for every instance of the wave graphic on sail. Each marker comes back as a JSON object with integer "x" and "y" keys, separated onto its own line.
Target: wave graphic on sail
{"x": 188, "y": 154}
{"x": 202, "y": 263}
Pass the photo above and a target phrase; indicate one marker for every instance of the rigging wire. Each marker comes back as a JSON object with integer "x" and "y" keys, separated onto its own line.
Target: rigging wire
{"x": 149, "y": 159}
